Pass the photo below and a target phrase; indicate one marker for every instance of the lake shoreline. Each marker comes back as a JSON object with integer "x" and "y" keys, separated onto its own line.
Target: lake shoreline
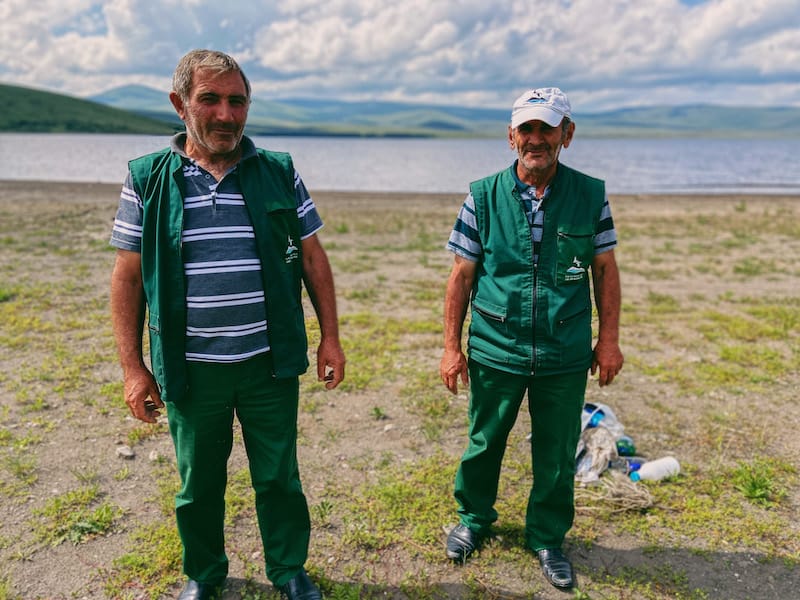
{"x": 420, "y": 165}
{"x": 101, "y": 191}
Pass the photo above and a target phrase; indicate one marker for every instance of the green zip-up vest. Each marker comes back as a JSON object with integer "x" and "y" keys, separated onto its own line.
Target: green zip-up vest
{"x": 267, "y": 183}
{"x": 535, "y": 320}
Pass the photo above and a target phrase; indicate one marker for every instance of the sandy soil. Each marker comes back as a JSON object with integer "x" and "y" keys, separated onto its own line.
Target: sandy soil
{"x": 388, "y": 260}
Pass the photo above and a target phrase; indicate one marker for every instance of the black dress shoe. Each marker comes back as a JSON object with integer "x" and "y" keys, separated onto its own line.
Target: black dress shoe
{"x": 300, "y": 587}
{"x": 461, "y": 542}
{"x": 556, "y": 568}
{"x": 195, "y": 590}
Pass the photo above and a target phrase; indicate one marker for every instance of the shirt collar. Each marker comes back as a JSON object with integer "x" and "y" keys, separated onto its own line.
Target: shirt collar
{"x": 528, "y": 191}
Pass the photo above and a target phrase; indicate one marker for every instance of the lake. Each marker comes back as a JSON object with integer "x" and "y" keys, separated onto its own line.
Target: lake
{"x": 629, "y": 166}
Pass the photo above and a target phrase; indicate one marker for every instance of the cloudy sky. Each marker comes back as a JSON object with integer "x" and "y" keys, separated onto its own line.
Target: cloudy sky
{"x": 604, "y": 53}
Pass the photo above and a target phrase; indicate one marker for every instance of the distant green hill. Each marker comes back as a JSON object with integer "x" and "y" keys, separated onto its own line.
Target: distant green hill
{"x": 29, "y": 110}
{"x": 331, "y": 116}
{"x": 140, "y": 109}
{"x": 693, "y": 120}
{"x": 303, "y": 116}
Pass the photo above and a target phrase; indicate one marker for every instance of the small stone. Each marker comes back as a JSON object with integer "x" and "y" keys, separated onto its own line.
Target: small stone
{"x": 125, "y": 452}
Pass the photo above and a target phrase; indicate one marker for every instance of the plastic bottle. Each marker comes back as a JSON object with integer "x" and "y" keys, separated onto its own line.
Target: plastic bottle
{"x": 595, "y": 414}
{"x": 635, "y": 462}
{"x": 655, "y": 470}
{"x": 625, "y": 446}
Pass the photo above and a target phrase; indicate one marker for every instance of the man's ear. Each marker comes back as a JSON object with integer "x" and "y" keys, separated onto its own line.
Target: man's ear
{"x": 570, "y": 131}
{"x": 177, "y": 102}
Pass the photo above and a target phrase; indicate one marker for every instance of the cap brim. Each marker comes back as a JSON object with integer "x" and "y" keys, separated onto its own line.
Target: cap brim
{"x": 536, "y": 113}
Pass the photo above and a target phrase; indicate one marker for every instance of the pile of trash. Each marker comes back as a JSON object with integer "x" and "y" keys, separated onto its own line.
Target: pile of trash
{"x": 604, "y": 446}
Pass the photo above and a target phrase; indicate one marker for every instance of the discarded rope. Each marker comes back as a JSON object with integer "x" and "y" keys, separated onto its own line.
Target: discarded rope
{"x": 613, "y": 492}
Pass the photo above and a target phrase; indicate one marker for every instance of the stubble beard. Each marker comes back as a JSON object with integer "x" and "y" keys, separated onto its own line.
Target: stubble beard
{"x": 204, "y": 141}
{"x": 540, "y": 166}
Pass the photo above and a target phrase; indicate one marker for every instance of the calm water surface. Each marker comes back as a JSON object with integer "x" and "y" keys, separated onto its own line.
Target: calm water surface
{"x": 425, "y": 165}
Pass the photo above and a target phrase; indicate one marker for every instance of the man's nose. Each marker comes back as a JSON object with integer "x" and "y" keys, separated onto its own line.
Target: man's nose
{"x": 225, "y": 111}
{"x": 535, "y": 135}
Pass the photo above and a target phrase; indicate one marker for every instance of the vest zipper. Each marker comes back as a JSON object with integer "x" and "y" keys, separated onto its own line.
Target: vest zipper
{"x": 489, "y": 315}
{"x": 535, "y": 269}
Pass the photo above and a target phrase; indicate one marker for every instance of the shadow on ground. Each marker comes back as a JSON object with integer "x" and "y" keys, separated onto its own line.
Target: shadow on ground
{"x": 645, "y": 573}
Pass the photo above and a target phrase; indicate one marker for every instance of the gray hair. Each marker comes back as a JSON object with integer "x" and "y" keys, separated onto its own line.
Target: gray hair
{"x": 218, "y": 62}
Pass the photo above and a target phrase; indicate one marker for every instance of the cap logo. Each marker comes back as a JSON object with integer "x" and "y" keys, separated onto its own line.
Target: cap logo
{"x": 537, "y": 99}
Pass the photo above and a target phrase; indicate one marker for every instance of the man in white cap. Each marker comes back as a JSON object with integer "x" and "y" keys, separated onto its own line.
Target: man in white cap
{"x": 526, "y": 242}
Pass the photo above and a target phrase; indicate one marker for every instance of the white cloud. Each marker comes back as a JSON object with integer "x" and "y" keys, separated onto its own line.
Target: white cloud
{"x": 604, "y": 54}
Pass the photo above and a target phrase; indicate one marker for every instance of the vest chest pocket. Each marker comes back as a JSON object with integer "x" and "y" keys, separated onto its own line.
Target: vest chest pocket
{"x": 487, "y": 316}
{"x": 575, "y": 254}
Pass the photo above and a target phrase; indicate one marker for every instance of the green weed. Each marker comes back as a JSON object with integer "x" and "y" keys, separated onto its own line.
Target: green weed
{"x": 71, "y": 517}
{"x": 22, "y": 468}
{"x": 153, "y": 563}
{"x": 6, "y": 590}
{"x": 7, "y": 293}
{"x": 145, "y": 431}
{"x": 321, "y": 514}
{"x": 762, "y": 481}
{"x": 754, "y": 267}
{"x": 662, "y": 303}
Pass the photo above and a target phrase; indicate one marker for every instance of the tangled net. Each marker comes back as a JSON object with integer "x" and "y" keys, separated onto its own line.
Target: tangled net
{"x": 613, "y": 492}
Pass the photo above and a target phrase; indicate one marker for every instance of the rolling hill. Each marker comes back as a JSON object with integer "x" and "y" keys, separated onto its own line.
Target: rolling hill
{"x": 29, "y": 110}
{"x": 140, "y": 109}
{"x": 331, "y": 117}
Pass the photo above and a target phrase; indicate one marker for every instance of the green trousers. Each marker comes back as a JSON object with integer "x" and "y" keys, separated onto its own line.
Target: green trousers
{"x": 555, "y": 404}
{"x": 202, "y": 430}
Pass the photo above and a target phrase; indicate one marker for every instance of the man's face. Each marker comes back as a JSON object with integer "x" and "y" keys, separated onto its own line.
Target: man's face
{"x": 215, "y": 112}
{"x": 539, "y": 144}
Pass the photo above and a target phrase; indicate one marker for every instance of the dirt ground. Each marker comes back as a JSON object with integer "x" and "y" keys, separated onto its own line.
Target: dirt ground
{"x": 63, "y": 422}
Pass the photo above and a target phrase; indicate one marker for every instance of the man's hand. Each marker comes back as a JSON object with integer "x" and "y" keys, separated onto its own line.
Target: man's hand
{"x": 453, "y": 365}
{"x": 330, "y": 363}
{"x": 456, "y": 301}
{"x": 606, "y": 362}
{"x": 142, "y": 395}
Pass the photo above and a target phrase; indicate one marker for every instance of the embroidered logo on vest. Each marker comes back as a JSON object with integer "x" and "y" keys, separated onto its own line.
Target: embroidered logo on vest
{"x": 576, "y": 271}
{"x": 292, "y": 252}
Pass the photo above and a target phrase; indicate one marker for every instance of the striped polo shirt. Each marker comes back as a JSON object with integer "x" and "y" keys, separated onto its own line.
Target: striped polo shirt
{"x": 225, "y": 304}
{"x": 465, "y": 241}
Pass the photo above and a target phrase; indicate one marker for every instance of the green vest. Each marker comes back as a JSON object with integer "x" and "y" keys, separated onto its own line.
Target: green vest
{"x": 535, "y": 320}
{"x": 267, "y": 183}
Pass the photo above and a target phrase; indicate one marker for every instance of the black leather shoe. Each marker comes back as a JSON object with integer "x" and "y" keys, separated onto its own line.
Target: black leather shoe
{"x": 461, "y": 543}
{"x": 556, "y": 568}
{"x": 300, "y": 587}
{"x": 195, "y": 590}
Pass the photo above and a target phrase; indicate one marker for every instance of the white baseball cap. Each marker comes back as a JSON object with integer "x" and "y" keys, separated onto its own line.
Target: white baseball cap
{"x": 548, "y": 104}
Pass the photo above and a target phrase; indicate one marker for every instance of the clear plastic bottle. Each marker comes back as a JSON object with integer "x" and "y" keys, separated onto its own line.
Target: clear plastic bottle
{"x": 655, "y": 470}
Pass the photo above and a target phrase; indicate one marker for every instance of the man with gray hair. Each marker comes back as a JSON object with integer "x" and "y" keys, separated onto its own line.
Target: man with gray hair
{"x": 525, "y": 243}
{"x": 214, "y": 239}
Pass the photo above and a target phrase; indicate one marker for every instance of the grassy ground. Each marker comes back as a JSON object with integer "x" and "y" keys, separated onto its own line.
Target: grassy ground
{"x": 711, "y": 334}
